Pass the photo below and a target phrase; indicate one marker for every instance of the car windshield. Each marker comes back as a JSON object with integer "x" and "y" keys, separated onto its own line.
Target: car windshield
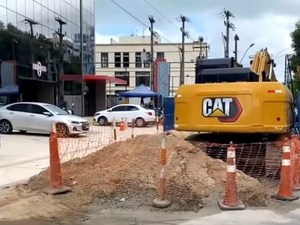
{"x": 56, "y": 110}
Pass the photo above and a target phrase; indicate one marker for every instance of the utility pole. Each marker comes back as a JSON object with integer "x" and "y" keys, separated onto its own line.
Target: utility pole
{"x": 183, "y": 20}
{"x": 153, "y": 34}
{"x": 82, "y": 62}
{"x": 236, "y": 39}
{"x": 59, "y": 83}
{"x": 31, "y": 24}
{"x": 226, "y": 14}
{"x": 201, "y": 47}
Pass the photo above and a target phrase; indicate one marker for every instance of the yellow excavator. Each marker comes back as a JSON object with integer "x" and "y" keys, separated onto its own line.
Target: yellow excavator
{"x": 228, "y": 99}
{"x": 242, "y": 105}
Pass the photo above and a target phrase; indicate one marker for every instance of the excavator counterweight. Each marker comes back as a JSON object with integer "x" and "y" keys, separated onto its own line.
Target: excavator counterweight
{"x": 231, "y": 99}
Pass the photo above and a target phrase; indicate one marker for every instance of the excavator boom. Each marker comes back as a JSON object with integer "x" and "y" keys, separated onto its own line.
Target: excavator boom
{"x": 263, "y": 65}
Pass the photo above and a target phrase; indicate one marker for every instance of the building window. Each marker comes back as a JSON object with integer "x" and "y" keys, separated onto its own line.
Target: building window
{"x": 147, "y": 60}
{"x": 142, "y": 78}
{"x": 117, "y": 59}
{"x": 138, "y": 59}
{"x": 126, "y": 59}
{"x": 124, "y": 75}
{"x": 160, "y": 55}
{"x": 104, "y": 59}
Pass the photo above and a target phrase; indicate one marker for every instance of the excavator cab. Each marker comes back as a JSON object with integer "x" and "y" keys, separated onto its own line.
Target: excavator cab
{"x": 222, "y": 70}
{"x": 229, "y": 75}
{"x": 208, "y": 64}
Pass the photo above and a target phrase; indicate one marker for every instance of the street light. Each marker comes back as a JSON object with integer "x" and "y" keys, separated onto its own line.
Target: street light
{"x": 250, "y": 46}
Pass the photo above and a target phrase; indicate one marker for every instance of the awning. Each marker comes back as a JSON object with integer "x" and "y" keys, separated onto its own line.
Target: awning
{"x": 77, "y": 77}
{"x": 138, "y": 92}
{"x": 12, "y": 89}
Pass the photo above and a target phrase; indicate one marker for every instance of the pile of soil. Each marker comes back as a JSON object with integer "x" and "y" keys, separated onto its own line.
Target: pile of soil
{"x": 126, "y": 174}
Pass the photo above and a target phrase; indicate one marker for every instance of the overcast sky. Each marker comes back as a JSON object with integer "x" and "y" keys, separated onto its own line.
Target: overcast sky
{"x": 265, "y": 23}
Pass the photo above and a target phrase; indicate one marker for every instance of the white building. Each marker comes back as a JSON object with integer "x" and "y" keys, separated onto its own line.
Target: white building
{"x": 123, "y": 59}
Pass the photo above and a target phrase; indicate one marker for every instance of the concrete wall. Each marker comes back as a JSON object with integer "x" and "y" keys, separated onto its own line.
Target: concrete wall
{"x": 76, "y": 99}
{"x": 100, "y": 95}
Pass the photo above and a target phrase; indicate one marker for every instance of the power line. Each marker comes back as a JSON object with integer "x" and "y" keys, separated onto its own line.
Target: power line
{"x": 226, "y": 14}
{"x": 141, "y": 22}
{"x": 160, "y": 13}
{"x": 129, "y": 13}
{"x": 289, "y": 49}
{"x": 283, "y": 54}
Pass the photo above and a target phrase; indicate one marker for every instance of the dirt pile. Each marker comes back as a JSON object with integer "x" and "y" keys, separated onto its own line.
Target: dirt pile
{"x": 125, "y": 174}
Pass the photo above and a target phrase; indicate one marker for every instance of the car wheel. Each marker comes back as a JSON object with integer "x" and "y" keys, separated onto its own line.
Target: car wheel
{"x": 23, "y": 131}
{"x": 5, "y": 127}
{"x": 62, "y": 130}
{"x": 140, "y": 122}
{"x": 102, "y": 121}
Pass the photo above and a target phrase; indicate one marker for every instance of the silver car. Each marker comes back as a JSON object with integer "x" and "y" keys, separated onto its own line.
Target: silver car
{"x": 39, "y": 117}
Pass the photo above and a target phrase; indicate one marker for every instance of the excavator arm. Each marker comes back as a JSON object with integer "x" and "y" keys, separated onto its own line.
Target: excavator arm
{"x": 263, "y": 65}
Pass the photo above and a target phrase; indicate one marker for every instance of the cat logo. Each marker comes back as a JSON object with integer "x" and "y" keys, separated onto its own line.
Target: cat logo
{"x": 224, "y": 109}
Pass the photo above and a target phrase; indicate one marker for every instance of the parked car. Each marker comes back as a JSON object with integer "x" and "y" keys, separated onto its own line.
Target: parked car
{"x": 39, "y": 117}
{"x": 142, "y": 116}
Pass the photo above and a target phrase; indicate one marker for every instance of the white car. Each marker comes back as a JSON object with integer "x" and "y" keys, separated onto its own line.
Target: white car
{"x": 39, "y": 117}
{"x": 142, "y": 116}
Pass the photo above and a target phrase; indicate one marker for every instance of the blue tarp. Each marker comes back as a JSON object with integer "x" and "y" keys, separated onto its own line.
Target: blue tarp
{"x": 138, "y": 92}
{"x": 9, "y": 90}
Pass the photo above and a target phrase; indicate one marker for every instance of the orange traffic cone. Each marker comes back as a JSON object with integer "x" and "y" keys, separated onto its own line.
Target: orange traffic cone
{"x": 122, "y": 125}
{"x": 231, "y": 201}
{"x": 285, "y": 192}
{"x": 56, "y": 186}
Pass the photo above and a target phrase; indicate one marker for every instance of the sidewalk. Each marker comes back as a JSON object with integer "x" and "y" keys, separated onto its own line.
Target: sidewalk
{"x": 22, "y": 156}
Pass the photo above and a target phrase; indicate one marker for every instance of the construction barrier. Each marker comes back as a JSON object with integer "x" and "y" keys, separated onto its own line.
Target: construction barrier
{"x": 285, "y": 190}
{"x": 161, "y": 201}
{"x": 114, "y": 130}
{"x": 231, "y": 201}
{"x": 272, "y": 162}
{"x": 266, "y": 161}
{"x": 295, "y": 163}
{"x": 157, "y": 124}
{"x": 132, "y": 128}
{"x": 98, "y": 137}
{"x": 56, "y": 185}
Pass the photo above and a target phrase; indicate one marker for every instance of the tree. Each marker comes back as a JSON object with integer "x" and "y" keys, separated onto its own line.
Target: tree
{"x": 295, "y": 59}
{"x": 15, "y": 45}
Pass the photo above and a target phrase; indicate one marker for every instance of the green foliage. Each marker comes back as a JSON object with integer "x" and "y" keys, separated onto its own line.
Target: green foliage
{"x": 295, "y": 36}
{"x": 15, "y": 44}
{"x": 296, "y": 87}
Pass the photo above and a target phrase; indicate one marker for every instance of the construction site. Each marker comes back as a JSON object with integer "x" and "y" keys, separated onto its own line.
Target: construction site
{"x": 162, "y": 172}
{"x": 233, "y": 147}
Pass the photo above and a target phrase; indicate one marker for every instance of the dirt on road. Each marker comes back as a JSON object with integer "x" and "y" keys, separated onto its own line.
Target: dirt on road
{"x": 125, "y": 175}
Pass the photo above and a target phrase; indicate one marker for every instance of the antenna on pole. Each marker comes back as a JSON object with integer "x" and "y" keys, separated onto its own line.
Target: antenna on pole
{"x": 184, "y": 34}
{"x": 226, "y": 14}
{"x": 223, "y": 37}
